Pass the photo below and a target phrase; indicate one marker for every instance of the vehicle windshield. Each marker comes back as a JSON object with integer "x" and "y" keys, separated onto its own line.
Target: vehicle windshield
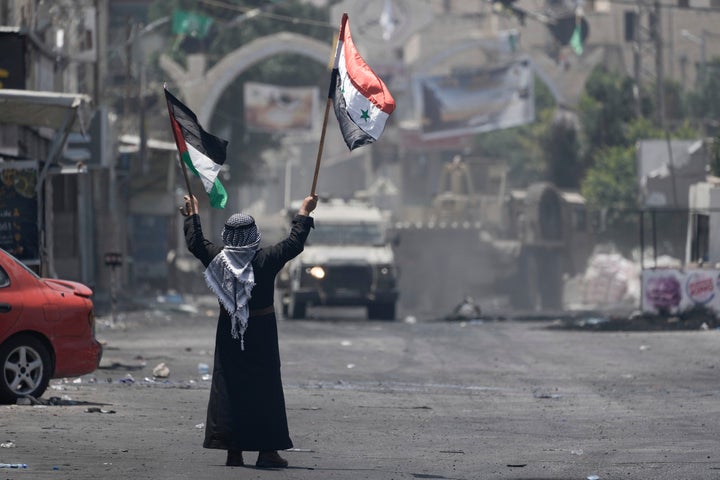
{"x": 347, "y": 234}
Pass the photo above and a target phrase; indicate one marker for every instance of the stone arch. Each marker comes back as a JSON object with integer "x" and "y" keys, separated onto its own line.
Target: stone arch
{"x": 202, "y": 89}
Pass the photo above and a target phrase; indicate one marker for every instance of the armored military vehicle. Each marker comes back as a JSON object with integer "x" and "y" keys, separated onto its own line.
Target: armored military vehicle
{"x": 348, "y": 261}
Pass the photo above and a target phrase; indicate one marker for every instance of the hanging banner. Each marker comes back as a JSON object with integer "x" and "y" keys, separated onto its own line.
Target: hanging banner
{"x": 270, "y": 108}
{"x": 19, "y": 209}
{"x": 477, "y": 100}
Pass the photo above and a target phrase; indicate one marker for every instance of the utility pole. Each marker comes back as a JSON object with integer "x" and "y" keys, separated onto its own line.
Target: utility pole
{"x": 128, "y": 68}
{"x": 657, "y": 36}
{"x": 646, "y": 28}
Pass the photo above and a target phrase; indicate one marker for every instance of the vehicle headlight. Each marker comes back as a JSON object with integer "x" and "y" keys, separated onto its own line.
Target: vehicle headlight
{"x": 317, "y": 272}
{"x": 385, "y": 270}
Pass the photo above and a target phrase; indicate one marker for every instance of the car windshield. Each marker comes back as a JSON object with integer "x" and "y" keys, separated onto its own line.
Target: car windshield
{"x": 20, "y": 263}
{"x": 347, "y": 234}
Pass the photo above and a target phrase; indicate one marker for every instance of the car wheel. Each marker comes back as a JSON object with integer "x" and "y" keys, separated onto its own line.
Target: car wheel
{"x": 26, "y": 368}
{"x": 296, "y": 309}
{"x": 381, "y": 311}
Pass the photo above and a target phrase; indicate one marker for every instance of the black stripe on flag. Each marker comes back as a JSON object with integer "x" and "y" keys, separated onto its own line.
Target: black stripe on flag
{"x": 206, "y": 143}
{"x": 353, "y": 135}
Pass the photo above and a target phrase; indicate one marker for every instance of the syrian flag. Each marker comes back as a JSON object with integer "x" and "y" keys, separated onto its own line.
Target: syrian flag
{"x": 203, "y": 153}
{"x": 361, "y": 100}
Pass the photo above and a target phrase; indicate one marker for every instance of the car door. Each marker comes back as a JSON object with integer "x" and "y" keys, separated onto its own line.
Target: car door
{"x": 10, "y": 303}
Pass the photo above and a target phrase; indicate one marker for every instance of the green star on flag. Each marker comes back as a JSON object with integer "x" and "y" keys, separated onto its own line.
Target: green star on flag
{"x": 364, "y": 115}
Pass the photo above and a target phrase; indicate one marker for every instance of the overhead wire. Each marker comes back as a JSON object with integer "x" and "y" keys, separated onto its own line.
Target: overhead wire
{"x": 269, "y": 14}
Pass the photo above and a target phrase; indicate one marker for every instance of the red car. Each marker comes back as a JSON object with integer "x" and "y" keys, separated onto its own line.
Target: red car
{"x": 47, "y": 330}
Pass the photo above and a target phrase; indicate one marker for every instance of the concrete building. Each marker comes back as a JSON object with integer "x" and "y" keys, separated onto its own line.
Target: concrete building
{"x": 98, "y": 51}
{"x": 53, "y": 77}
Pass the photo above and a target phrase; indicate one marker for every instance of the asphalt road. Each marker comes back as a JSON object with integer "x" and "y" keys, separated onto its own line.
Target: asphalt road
{"x": 391, "y": 400}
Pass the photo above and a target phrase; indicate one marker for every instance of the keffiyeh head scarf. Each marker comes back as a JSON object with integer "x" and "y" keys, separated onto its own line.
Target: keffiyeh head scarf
{"x": 230, "y": 274}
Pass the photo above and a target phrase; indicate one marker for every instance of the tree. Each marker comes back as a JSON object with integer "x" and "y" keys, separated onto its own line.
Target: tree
{"x": 519, "y": 146}
{"x": 605, "y": 108}
{"x": 610, "y": 187}
{"x": 704, "y": 102}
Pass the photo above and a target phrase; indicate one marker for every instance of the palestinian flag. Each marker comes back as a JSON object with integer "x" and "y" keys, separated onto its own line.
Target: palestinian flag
{"x": 202, "y": 152}
{"x": 361, "y": 100}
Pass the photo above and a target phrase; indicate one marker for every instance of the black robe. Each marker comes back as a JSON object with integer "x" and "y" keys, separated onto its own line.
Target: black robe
{"x": 246, "y": 409}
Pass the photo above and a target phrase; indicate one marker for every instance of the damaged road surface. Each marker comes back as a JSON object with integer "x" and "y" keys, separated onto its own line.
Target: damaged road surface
{"x": 389, "y": 400}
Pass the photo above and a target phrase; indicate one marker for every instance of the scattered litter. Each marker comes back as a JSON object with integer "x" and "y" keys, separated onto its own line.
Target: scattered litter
{"x": 553, "y": 396}
{"x": 77, "y": 380}
{"x": 98, "y": 410}
{"x": 346, "y": 343}
{"x": 200, "y": 425}
{"x": 127, "y": 380}
{"x": 517, "y": 465}
{"x": 30, "y": 400}
{"x": 644, "y": 347}
{"x": 542, "y": 394}
{"x": 8, "y": 444}
{"x": 593, "y": 321}
{"x": 13, "y": 465}
{"x": 577, "y": 452}
{"x": 410, "y": 320}
{"x": 207, "y": 377}
{"x": 161, "y": 370}
{"x": 122, "y": 366}
{"x": 203, "y": 368}
{"x": 468, "y": 309}
{"x": 304, "y": 450}
{"x": 350, "y": 365}
{"x": 453, "y": 451}
{"x": 593, "y": 477}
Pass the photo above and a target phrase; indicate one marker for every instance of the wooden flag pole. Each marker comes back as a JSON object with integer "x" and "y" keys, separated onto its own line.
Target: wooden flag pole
{"x": 187, "y": 184}
{"x": 331, "y": 90}
{"x": 320, "y": 147}
{"x": 182, "y": 164}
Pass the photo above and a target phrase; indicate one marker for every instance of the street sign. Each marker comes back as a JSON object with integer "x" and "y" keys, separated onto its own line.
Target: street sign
{"x": 113, "y": 259}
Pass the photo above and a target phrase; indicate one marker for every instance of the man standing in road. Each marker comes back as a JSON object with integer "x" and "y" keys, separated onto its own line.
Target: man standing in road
{"x": 246, "y": 409}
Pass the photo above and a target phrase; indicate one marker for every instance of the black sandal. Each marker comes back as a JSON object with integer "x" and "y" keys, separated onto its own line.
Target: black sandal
{"x": 234, "y": 458}
{"x": 270, "y": 460}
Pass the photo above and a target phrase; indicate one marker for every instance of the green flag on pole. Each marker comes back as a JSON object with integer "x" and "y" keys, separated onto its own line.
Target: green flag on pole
{"x": 576, "y": 40}
{"x": 191, "y": 24}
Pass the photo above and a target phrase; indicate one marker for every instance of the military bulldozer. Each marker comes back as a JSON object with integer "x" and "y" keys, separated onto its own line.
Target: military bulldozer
{"x": 508, "y": 249}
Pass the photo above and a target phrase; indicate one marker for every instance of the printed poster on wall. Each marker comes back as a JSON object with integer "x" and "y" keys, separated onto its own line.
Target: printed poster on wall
{"x": 19, "y": 209}
{"x": 271, "y": 108}
{"x": 673, "y": 291}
